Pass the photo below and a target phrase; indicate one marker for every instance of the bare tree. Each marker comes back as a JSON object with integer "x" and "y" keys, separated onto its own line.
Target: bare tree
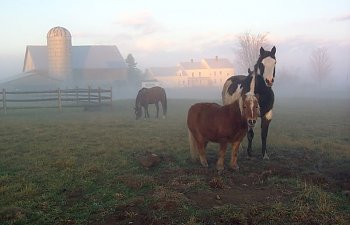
{"x": 320, "y": 63}
{"x": 247, "y": 51}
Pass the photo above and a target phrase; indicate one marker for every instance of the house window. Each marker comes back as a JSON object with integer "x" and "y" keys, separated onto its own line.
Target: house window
{"x": 199, "y": 73}
{"x": 192, "y": 74}
{"x": 214, "y": 73}
{"x": 220, "y": 72}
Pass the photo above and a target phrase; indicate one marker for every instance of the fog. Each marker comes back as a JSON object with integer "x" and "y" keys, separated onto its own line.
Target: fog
{"x": 294, "y": 76}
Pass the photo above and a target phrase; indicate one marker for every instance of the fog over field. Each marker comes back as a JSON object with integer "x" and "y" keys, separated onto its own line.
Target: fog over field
{"x": 158, "y": 35}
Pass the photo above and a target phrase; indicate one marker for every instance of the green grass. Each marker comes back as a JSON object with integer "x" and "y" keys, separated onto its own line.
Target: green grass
{"x": 77, "y": 167}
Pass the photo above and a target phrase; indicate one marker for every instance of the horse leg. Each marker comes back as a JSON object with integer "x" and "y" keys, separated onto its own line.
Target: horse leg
{"x": 250, "y": 136}
{"x": 201, "y": 150}
{"x": 164, "y": 109}
{"x": 157, "y": 108}
{"x": 264, "y": 131}
{"x": 146, "y": 112}
{"x": 234, "y": 155}
{"x": 220, "y": 162}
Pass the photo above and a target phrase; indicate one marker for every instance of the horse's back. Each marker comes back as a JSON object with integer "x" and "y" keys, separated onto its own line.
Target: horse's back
{"x": 205, "y": 117}
{"x": 200, "y": 112}
{"x": 154, "y": 94}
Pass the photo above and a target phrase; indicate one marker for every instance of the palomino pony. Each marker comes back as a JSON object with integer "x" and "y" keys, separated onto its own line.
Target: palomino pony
{"x": 221, "y": 124}
{"x": 265, "y": 70}
{"x": 147, "y": 96}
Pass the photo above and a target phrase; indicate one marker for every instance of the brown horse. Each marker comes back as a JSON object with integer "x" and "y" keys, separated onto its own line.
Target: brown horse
{"x": 147, "y": 96}
{"x": 221, "y": 124}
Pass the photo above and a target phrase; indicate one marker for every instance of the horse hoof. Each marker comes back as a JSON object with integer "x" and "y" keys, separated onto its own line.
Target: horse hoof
{"x": 220, "y": 172}
{"x": 220, "y": 169}
{"x": 266, "y": 157}
{"x": 235, "y": 168}
{"x": 204, "y": 164}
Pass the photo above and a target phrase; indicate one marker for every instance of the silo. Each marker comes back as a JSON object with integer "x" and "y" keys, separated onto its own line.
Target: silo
{"x": 59, "y": 44}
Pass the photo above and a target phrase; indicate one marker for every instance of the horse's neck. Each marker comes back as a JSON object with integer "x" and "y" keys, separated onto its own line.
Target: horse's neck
{"x": 260, "y": 86}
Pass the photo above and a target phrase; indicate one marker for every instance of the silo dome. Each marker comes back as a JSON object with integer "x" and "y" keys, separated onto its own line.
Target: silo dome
{"x": 59, "y": 46}
{"x": 58, "y": 32}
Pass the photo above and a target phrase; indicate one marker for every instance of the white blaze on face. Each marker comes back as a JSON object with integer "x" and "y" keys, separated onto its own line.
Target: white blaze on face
{"x": 252, "y": 107}
{"x": 269, "y": 64}
{"x": 250, "y": 98}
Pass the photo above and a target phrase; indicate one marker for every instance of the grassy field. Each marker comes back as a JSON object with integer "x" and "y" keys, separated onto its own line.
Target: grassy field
{"x": 84, "y": 167}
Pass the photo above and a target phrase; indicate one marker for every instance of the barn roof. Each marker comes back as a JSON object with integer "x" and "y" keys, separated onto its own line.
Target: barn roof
{"x": 83, "y": 57}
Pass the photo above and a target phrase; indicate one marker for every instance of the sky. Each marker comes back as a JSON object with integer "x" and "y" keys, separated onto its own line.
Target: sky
{"x": 164, "y": 33}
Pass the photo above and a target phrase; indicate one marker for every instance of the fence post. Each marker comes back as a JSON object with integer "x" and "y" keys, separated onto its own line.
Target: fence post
{"x": 111, "y": 95}
{"x": 99, "y": 95}
{"x": 77, "y": 94}
{"x": 4, "y": 100}
{"x": 89, "y": 94}
{"x": 59, "y": 103}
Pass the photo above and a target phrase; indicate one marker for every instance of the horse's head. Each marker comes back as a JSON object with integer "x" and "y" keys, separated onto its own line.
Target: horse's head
{"x": 138, "y": 112}
{"x": 250, "y": 109}
{"x": 265, "y": 65}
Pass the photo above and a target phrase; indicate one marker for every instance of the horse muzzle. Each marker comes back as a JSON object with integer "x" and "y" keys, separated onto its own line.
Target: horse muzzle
{"x": 268, "y": 82}
{"x": 251, "y": 123}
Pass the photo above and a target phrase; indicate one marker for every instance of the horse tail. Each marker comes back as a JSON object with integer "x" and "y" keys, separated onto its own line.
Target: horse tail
{"x": 164, "y": 104}
{"x": 193, "y": 146}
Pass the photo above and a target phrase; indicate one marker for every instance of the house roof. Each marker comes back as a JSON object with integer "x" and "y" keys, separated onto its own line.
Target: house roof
{"x": 83, "y": 57}
{"x": 192, "y": 65}
{"x": 215, "y": 63}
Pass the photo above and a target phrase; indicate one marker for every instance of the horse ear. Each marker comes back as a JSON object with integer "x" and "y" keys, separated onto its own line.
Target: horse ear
{"x": 262, "y": 50}
{"x": 249, "y": 71}
{"x": 273, "y": 50}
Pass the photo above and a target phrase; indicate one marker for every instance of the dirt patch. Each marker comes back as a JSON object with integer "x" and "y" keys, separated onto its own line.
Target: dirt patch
{"x": 204, "y": 189}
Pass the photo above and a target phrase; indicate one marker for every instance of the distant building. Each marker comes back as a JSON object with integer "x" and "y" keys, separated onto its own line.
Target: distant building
{"x": 59, "y": 64}
{"x": 205, "y": 73}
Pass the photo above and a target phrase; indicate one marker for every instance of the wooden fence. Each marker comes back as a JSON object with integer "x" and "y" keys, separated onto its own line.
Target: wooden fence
{"x": 55, "y": 98}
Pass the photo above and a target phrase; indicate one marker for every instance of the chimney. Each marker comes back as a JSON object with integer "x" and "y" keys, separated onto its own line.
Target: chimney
{"x": 216, "y": 58}
{"x": 191, "y": 60}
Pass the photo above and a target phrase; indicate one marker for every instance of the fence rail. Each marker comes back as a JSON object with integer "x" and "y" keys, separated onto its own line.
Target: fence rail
{"x": 71, "y": 97}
